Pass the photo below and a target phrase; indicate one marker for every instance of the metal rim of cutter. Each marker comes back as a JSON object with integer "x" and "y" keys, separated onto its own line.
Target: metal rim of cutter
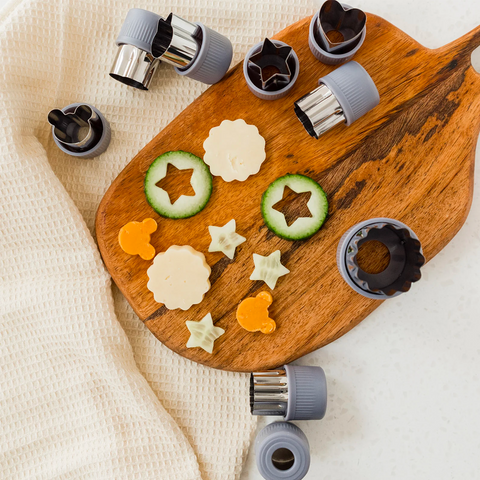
{"x": 399, "y": 259}
{"x": 134, "y": 67}
{"x": 176, "y": 41}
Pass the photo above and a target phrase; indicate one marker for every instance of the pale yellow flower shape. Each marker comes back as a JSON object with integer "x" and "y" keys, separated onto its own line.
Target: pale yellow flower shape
{"x": 178, "y": 278}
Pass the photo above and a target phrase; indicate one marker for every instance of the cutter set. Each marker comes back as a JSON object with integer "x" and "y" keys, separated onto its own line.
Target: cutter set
{"x": 271, "y": 68}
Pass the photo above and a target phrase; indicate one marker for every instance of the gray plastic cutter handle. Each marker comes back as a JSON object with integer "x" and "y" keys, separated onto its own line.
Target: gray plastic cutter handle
{"x": 139, "y": 29}
{"x": 307, "y": 393}
{"x": 354, "y": 90}
{"x": 282, "y": 452}
{"x": 213, "y": 59}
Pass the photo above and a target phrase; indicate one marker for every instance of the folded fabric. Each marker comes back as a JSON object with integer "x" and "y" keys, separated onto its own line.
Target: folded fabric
{"x": 85, "y": 390}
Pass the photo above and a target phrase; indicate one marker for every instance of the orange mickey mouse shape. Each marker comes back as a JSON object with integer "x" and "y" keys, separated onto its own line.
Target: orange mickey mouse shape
{"x": 134, "y": 238}
{"x": 252, "y": 313}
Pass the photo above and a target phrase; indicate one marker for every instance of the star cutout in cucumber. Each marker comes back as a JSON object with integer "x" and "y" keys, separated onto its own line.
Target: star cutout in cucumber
{"x": 225, "y": 239}
{"x": 268, "y": 269}
{"x": 203, "y": 333}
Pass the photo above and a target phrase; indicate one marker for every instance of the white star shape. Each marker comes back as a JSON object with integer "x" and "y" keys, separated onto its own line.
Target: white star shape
{"x": 269, "y": 268}
{"x": 225, "y": 239}
{"x": 203, "y": 333}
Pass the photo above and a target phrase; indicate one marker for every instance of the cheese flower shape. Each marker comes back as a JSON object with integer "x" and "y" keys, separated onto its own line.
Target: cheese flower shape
{"x": 234, "y": 150}
{"x": 178, "y": 278}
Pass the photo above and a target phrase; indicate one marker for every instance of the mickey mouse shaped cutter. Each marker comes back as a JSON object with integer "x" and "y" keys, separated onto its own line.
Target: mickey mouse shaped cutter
{"x": 336, "y": 32}
{"x": 406, "y": 258}
{"x": 271, "y": 69}
{"x": 80, "y": 130}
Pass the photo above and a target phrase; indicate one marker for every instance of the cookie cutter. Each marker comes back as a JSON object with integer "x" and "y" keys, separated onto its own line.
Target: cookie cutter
{"x": 271, "y": 69}
{"x": 349, "y": 23}
{"x": 406, "y": 258}
{"x": 343, "y": 95}
{"x": 147, "y": 39}
{"x": 282, "y": 452}
{"x": 293, "y": 392}
{"x": 80, "y": 130}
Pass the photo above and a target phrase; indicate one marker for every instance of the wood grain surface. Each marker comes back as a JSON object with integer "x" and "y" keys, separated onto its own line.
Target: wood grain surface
{"x": 411, "y": 158}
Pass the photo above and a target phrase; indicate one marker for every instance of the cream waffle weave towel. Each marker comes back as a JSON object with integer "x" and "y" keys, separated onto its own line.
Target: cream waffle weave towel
{"x": 85, "y": 389}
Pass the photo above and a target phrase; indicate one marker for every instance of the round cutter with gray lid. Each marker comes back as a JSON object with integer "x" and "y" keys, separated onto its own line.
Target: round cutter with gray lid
{"x": 80, "y": 130}
{"x": 294, "y": 392}
{"x": 135, "y": 64}
{"x": 271, "y": 69}
{"x": 405, "y": 251}
{"x": 282, "y": 452}
{"x": 146, "y": 39}
{"x": 344, "y": 95}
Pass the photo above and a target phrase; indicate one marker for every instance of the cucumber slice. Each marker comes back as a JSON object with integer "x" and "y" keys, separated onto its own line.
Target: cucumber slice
{"x": 185, "y": 206}
{"x": 303, "y": 227}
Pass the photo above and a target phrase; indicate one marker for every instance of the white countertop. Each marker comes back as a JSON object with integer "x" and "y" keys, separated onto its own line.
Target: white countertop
{"x": 404, "y": 386}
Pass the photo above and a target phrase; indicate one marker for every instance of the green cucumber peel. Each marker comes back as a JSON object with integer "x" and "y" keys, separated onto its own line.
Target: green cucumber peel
{"x": 185, "y": 206}
{"x": 303, "y": 227}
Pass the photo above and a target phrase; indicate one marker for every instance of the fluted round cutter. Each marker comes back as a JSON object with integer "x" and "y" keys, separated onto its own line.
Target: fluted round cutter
{"x": 406, "y": 258}
{"x": 344, "y": 95}
{"x": 271, "y": 69}
{"x": 294, "y": 392}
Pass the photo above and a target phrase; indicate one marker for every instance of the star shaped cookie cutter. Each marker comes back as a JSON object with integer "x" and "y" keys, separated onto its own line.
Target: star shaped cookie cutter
{"x": 272, "y": 65}
{"x": 80, "y": 130}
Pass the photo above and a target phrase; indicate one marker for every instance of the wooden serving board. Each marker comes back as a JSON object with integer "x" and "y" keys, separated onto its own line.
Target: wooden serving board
{"x": 411, "y": 158}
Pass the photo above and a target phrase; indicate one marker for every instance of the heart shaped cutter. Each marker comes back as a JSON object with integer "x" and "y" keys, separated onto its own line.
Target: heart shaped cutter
{"x": 347, "y": 21}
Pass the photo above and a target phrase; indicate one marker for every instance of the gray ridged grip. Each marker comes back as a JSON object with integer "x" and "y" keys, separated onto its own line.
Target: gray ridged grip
{"x": 282, "y": 435}
{"x": 139, "y": 29}
{"x": 307, "y": 393}
{"x": 212, "y": 61}
{"x": 354, "y": 89}
{"x": 97, "y": 149}
{"x": 326, "y": 57}
{"x": 265, "y": 94}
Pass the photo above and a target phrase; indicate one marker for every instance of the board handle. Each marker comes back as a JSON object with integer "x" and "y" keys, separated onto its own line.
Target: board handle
{"x": 464, "y": 46}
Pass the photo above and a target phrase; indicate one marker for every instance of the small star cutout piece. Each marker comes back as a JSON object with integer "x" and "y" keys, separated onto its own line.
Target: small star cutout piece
{"x": 268, "y": 269}
{"x": 203, "y": 333}
{"x": 225, "y": 239}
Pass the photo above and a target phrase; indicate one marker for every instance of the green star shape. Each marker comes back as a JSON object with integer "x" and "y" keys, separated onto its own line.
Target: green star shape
{"x": 268, "y": 269}
{"x": 203, "y": 333}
